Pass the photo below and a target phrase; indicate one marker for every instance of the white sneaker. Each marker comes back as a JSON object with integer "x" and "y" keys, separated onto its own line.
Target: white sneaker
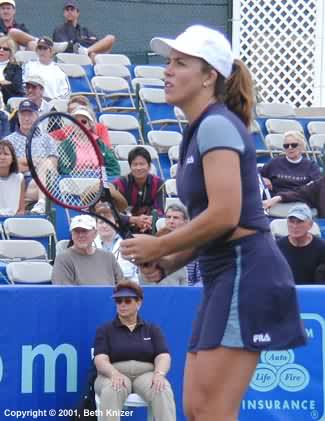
{"x": 39, "y": 207}
{"x": 60, "y": 47}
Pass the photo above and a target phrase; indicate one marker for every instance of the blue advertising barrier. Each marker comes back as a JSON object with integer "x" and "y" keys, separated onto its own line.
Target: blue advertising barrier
{"x": 47, "y": 333}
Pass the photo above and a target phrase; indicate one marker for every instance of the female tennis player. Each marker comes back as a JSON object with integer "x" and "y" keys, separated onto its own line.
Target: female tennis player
{"x": 249, "y": 298}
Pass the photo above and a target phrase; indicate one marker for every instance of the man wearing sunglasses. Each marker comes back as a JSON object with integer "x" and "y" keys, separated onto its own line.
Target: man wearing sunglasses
{"x": 80, "y": 39}
{"x": 131, "y": 355}
{"x": 56, "y": 84}
{"x": 286, "y": 173}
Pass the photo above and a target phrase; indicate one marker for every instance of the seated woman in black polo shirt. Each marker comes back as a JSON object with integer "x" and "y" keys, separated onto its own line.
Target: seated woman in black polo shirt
{"x": 131, "y": 356}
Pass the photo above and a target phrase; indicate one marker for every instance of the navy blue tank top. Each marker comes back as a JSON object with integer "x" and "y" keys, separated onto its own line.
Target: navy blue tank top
{"x": 219, "y": 128}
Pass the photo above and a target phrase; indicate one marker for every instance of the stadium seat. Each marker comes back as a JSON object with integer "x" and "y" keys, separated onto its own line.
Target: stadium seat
{"x": 14, "y": 101}
{"x": 118, "y": 70}
{"x": 274, "y": 109}
{"x": 160, "y": 223}
{"x": 113, "y": 93}
{"x": 258, "y": 138}
{"x": 22, "y": 250}
{"x": 60, "y": 104}
{"x": 144, "y": 82}
{"x": 122, "y": 138}
{"x": 173, "y": 154}
{"x": 173, "y": 170}
{"x": 170, "y": 187}
{"x": 173, "y": 201}
{"x": 156, "y": 72}
{"x": 159, "y": 114}
{"x": 279, "y": 228}
{"x": 280, "y": 210}
{"x": 23, "y": 56}
{"x": 280, "y": 125}
{"x": 29, "y": 273}
{"x": 316, "y": 127}
{"x": 112, "y": 59}
{"x": 72, "y": 58}
{"x": 124, "y": 122}
{"x": 163, "y": 140}
{"x": 132, "y": 401}
{"x": 274, "y": 143}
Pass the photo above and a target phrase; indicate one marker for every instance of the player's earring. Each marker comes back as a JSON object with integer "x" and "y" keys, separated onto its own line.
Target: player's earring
{"x": 204, "y": 85}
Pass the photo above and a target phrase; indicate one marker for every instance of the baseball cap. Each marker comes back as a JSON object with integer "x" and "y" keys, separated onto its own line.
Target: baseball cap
{"x": 202, "y": 42}
{"x": 35, "y": 80}
{"x": 45, "y": 42}
{"x": 27, "y": 105}
{"x": 83, "y": 221}
{"x": 71, "y": 3}
{"x": 83, "y": 111}
{"x": 301, "y": 211}
{"x": 12, "y": 2}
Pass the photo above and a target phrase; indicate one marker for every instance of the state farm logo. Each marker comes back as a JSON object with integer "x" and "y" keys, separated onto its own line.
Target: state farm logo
{"x": 277, "y": 368}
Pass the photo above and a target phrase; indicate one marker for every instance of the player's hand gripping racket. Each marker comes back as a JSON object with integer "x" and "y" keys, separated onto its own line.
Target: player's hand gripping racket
{"x": 76, "y": 178}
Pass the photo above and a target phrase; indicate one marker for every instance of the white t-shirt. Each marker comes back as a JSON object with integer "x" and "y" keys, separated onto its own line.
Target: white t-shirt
{"x": 56, "y": 82}
{"x": 10, "y": 189}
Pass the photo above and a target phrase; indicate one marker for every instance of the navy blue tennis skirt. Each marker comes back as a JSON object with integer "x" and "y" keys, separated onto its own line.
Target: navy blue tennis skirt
{"x": 249, "y": 298}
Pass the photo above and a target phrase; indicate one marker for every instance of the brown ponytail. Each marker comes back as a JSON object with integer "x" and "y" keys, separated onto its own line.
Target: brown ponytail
{"x": 238, "y": 94}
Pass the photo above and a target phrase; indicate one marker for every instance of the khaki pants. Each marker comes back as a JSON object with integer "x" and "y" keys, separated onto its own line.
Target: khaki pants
{"x": 139, "y": 379}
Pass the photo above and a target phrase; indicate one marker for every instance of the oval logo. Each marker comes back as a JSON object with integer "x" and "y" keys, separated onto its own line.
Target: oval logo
{"x": 293, "y": 378}
{"x": 265, "y": 378}
{"x": 278, "y": 358}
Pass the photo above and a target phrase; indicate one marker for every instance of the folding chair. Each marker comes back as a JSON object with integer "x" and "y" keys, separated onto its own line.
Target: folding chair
{"x": 279, "y": 228}
{"x": 274, "y": 143}
{"x": 158, "y": 112}
{"x": 122, "y": 138}
{"x": 78, "y": 78}
{"x": 173, "y": 170}
{"x": 124, "y": 122}
{"x": 143, "y": 82}
{"x": 112, "y": 59}
{"x": 180, "y": 116}
{"x": 122, "y": 153}
{"x": 279, "y": 125}
{"x": 173, "y": 201}
{"x": 170, "y": 187}
{"x": 316, "y": 127}
{"x": 173, "y": 154}
{"x": 113, "y": 93}
{"x": 160, "y": 223}
{"x": 118, "y": 70}
{"x": 29, "y": 272}
{"x": 23, "y": 56}
{"x": 156, "y": 72}
{"x": 14, "y": 101}
{"x": 163, "y": 140}
{"x": 280, "y": 210}
{"x": 317, "y": 144}
{"x": 73, "y": 58}
{"x": 22, "y": 250}
{"x": 258, "y": 138}
{"x": 274, "y": 109}
{"x": 59, "y": 104}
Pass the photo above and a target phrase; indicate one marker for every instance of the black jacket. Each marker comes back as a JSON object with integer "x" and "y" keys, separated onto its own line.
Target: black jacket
{"x": 74, "y": 34}
{"x": 12, "y": 73}
{"x": 4, "y": 30}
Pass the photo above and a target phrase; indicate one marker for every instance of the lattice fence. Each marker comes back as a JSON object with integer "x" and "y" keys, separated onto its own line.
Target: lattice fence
{"x": 277, "y": 42}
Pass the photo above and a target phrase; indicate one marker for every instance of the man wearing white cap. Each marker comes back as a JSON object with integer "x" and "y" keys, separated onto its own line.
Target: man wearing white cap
{"x": 7, "y": 17}
{"x": 83, "y": 263}
{"x": 303, "y": 251}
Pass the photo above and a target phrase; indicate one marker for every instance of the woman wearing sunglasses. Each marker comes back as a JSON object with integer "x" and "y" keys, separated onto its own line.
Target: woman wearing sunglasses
{"x": 11, "y": 82}
{"x": 131, "y": 356}
{"x": 285, "y": 173}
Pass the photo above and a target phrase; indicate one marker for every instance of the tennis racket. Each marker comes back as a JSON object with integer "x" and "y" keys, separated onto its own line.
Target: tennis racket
{"x": 76, "y": 178}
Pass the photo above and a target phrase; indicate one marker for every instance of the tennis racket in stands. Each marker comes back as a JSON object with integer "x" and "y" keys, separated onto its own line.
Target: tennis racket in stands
{"x": 76, "y": 179}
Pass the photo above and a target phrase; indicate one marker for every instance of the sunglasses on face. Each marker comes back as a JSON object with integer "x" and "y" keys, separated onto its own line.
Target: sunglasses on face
{"x": 126, "y": 300}
{"x": 292, "y": 145}
{"x": 5, "y": 48}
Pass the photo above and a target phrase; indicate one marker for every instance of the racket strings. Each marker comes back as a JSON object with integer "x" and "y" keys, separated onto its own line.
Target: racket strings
{"x": 74, "y": 176}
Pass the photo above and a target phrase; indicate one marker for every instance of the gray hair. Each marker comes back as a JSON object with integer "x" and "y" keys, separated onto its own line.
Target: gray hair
{"x": 178, "y": 208}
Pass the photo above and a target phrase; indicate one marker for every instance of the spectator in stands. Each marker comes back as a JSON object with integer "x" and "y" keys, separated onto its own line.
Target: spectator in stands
{"x": 11, "y": 82}
{"x": 127, "y": 363}
{"x": 7, "y": 17}
{"x": 55, "y": 80}
{"x": 108, "y": 239}
{"x": 83, "y": 263}
{"x": 79, "y": 38}
{"x": 101, "y": 130}
{"x": 44, "y": 149}
{"x": 313, "y": 194}
{"x": 12, "y": 185}
{"x": 143, "y": 191}
{"x": 69, "y": 155}
{"x": 303, "y": 251}
{"x": 293, "y": 170}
